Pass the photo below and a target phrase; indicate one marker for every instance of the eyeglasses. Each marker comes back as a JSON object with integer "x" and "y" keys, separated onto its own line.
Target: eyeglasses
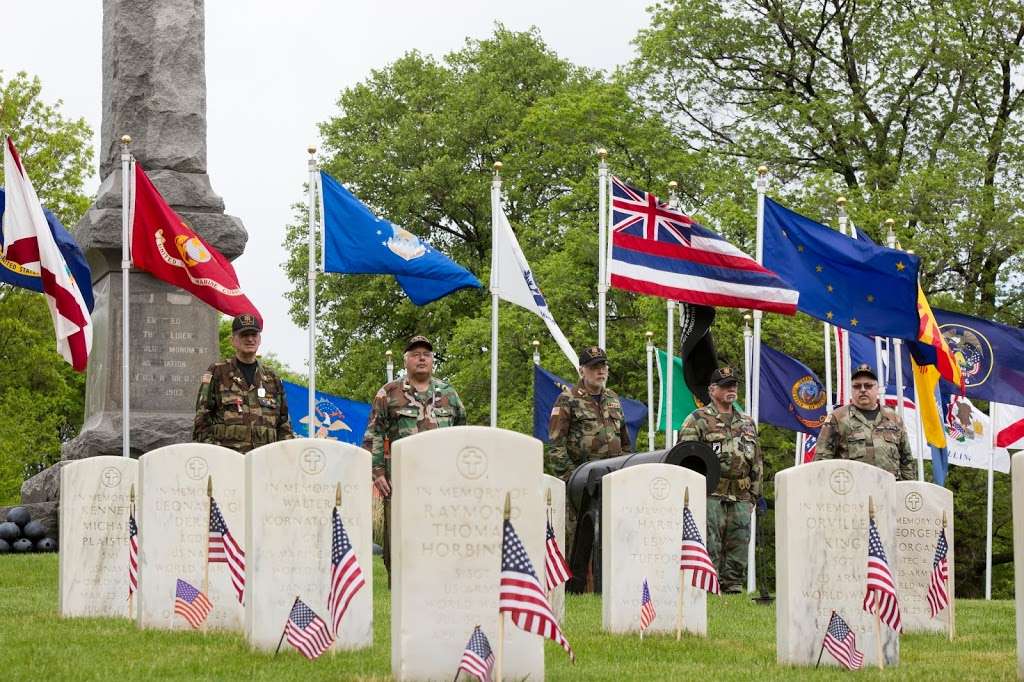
{"x": 863, "y": 387}
{"x": 425, "y": 354}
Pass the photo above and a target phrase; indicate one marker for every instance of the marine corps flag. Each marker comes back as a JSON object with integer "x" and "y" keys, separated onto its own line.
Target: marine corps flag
{"x": 165, "y": 247}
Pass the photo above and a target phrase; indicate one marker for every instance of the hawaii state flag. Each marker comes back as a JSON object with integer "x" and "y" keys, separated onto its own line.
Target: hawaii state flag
{"x": 29, "y": 243}
{"x": 165, "y": 247}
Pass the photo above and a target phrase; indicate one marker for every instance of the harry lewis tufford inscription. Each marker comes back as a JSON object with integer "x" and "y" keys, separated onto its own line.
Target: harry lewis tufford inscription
{"x": 821, "y": 550}
{"x": 449, "y": 492}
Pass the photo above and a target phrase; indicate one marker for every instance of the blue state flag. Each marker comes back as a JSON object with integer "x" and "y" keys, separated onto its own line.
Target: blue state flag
{"x": 358, "y": 242}
{"x": 792, "y": 397}
{"x": 547, "y": 386}
{"x": 337, "y": 418}
{"x": 12, "y": 273}
{"x": 990, "y": 355}
{"x": 847, "y": 282}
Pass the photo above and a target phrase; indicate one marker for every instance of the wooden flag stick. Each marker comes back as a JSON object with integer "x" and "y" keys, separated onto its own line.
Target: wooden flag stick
{"x": 949, "y": 584}
{"x": 285, "y": 626}
{"x": 682, "y": 576}
{"x": 131, "y": 512}
{"x": 501, "y": 615}
{"x": 337, "y": 506}
{"x": 206, "y": 543}
{"x": 551, "y": 521}
{"x": 878, "y": 606}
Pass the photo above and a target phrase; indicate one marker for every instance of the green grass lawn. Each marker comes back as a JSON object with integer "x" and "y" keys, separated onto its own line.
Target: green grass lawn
{"x": 37, "y": 645}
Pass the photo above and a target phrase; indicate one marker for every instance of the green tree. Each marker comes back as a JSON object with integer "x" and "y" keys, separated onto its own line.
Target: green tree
{"x": 41, "y": 397}
{"x": 911, "y": 109}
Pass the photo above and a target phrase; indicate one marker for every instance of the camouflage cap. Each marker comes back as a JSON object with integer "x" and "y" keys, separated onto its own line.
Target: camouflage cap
{"x": 593, "y": 355}
{"x": 723, "y": 376}
{"x": 419, "y": 341}
{"x": 864, "y": 368}
{"x": 246, "y": 322}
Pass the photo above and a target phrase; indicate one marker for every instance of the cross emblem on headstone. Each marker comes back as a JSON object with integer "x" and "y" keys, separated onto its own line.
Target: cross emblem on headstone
{"x": 111, "y": 477}
{"x": 914, "y": 501}
{"x": 659, "y": 488}
{"x": 841, "y": 481}
{"x": 196, "y": 468}
{"x": 312, "y": 461}
{"x": 471, "y": 463}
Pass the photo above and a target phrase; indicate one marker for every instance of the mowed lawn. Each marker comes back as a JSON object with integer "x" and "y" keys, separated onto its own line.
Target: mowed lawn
{"x": 35, "y": 644}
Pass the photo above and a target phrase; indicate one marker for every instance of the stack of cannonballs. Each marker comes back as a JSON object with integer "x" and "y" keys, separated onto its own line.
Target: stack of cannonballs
{"x": 19, "y": 533}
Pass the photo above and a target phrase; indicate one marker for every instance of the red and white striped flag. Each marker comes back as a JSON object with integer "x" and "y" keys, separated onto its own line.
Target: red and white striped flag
{"x": 521, "y": 594}
{"x": 938, "y": 597}
{"x": 224, "y": 550}
{"x": 694, "y": 556}
{"x": 29, "y": 243}
{"x": 556, "y": 569}
{"x": 1008, "y": 425}
{"x": 881, "y": 587}
{"x": 133, "y": 553}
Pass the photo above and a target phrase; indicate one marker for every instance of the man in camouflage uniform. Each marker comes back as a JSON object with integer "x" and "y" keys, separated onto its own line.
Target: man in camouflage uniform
{"x": 416, "y": 402}
{"x": 241, "y": 403}
{"x": 587, "y": 422}
{"x": 733, "y": 437}
{"x": 867, "y": 431}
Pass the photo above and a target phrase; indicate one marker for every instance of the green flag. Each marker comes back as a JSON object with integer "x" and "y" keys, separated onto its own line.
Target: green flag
{"x": 682, "y": 399}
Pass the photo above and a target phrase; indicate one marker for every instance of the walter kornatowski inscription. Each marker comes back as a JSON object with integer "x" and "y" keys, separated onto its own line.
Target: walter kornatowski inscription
{"x": 471, "y": 463}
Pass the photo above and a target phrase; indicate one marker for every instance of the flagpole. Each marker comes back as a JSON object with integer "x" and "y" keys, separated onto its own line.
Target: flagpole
{"x": 897, "y": 349}
{"x": 827, "y": 329}
{"x": 206, "y": 542}
{"x": 126, "y": 265}
{"x": 311, "y": 428}
{"x": 280, "y": 641}
{"x": 847, "y": 229}
{"x": 602, "y": 239}
{"x": 682, "y": 575}
{"x": 495, "y": 207}
{"x": 536, "y": 352}
{"x": 389, "y": 365}
{"x": 755, "y": 349}
{"x": 988, "y": 507}
{"x": 671, "y": 370}
{"x": 650, "y": 389}
{"x": 798, "y": 453}
{"x": 748, "y": 347}
{"x": 878, "y": 605}
{"x": 499, "y": 661}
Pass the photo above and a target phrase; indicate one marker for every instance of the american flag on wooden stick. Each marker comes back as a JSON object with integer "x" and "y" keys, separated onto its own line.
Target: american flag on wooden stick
{"x": 521, "y": 594}
{"x": 842, "y": 643}
{"x": 647, "y": 612}
{"x": 556, "y": 569}
{"x": 133, "y": 553}
{"x": 346, "y": 574}
{"x": 307, "y": 631}
{"x": 478, "y": 659}
{"x": 881, "y": 586}
{"x": 695, "y": 556}
{"x": 224, "y": 549}
{"x": 938, "y": 597}
{"x": 191, "y": 604}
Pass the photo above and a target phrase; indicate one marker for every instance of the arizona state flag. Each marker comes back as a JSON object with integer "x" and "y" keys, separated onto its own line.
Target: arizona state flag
{"x": 931, "y": 347}
{"x": 164, "y": 246}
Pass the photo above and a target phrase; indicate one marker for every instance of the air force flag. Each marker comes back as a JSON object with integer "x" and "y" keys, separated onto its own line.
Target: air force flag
{"x": 337, "y": 418}
{"x": 513, "y": 281}
{"x": 358, "y": 242}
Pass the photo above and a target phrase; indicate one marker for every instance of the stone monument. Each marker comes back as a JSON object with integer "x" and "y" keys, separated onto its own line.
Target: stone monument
{"x": 641, "y": 538}
{"x": 173, "y": 518}
{"x": 292, "y": 486}
{"x": 821, "y": 555}
{"x": 154, "y": 90}
{"x": 449, "y": 494}
{"x": 919, "y": 512}
{"x": 94, "y": 505}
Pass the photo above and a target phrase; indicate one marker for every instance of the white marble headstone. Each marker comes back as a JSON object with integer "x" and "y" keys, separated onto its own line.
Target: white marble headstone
{"x": 821, "y": 553}
{"x": 292, "y": 486}
{"x": 173, "y": 523}
{"x": 641, "y": 537}
{"x": 449, "y": 492}
{"x": 1017, "y": 485}
{"x": 94, "y": 506}
{"x": 919, "y": 508}
{"x": 557, "y": 488}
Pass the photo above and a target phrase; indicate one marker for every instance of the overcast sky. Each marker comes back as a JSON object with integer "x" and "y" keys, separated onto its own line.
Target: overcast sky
{"x": 273, "y": 71}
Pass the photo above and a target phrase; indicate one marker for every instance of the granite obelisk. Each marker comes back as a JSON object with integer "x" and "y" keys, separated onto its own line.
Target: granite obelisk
{"x": 154, "y": 89}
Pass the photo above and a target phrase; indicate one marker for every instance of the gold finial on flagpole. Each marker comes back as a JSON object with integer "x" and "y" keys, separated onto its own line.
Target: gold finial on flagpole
{"x": 498, "y": 165}
{"x": 126, "y": 140}
{"x": 841, "y": 202}
{"x": 602, "y": 153}
{"x": 762, "y": 170}
{"x": 311, "y": 149}
{"x": 672, "y": 184}
{"x": 337, "y": 495}
{"x": 508, "y": 506}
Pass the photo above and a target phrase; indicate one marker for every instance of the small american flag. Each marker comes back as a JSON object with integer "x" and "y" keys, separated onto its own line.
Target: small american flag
{"x": 695, "y": 556}
{"x": 647, "y": 613}
{"x": 842, "y": 643}
{"x": 307, "y": 631}
{"x": 478, "y": 659}
{"x": 521, "y": 594}
{"x": 938, "y": 598}
{"x": 133, "y": 554}
{"x": 191, "y": 604}
{"x": 224, "y": 550}
{"x": 881, "y": 588}
{"x": 346, "y": 575}
{"x": 556, "y": 569}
